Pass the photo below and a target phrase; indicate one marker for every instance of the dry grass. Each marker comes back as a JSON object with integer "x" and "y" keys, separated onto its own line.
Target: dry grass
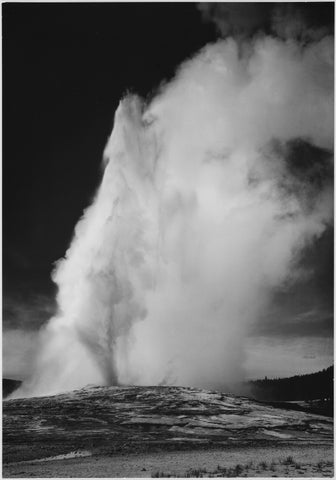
{"x": 283, "y": 467}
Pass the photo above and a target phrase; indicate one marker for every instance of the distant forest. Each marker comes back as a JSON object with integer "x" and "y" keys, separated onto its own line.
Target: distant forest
{"x": 313, "y": 386}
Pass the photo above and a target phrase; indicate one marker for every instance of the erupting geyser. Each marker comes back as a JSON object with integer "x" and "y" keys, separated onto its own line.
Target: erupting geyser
{"x": 199, "y": 217}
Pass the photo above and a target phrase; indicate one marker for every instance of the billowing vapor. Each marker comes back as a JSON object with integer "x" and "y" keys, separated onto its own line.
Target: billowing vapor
{"x": 203, "y": 212}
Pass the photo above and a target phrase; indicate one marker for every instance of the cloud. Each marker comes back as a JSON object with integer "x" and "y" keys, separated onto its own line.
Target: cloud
{"x": 284, "y": 325}
{"x": 292, "y": 21}
{"x": 26, "y": 312}
{"x": 18, "y": 350}
{"x": 236, "y": 19}
{"x": 303, "y": 22}
{"x": 269, "y": 357}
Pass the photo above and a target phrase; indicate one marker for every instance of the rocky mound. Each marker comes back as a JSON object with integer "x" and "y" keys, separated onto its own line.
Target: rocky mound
{"x": 109, "y": 420}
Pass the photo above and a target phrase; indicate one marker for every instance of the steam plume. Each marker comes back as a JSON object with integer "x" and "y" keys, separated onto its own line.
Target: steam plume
{"x": 199, "y": 217}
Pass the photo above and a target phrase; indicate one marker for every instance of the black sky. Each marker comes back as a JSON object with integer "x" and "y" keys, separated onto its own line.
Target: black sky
{"x": 65, "y": 68}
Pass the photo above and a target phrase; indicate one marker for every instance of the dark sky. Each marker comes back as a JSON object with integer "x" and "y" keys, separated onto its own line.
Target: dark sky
{"x": 65, "y": 68}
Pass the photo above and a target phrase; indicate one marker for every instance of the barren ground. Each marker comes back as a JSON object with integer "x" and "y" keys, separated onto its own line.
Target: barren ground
{"x": 161, "y": 431}
{"x": 250, "y": 462}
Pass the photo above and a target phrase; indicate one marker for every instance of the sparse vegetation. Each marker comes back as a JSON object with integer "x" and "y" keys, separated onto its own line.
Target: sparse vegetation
{"x": 249, "y": 469}
{"x": 238, "y": 469}
{"x": 221, "y": 470}
{"x": 196, "y": 473}
{"x": 288, "y": 461}
{"x": 283, "y": 467}
{"x": 159, "y": 474}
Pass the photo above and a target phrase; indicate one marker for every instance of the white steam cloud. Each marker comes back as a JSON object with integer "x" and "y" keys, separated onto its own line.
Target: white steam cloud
{"x": 197, "y": 220}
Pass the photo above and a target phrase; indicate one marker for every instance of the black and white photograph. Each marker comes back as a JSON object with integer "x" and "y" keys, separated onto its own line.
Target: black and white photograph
{"x": 167, "y": 239}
